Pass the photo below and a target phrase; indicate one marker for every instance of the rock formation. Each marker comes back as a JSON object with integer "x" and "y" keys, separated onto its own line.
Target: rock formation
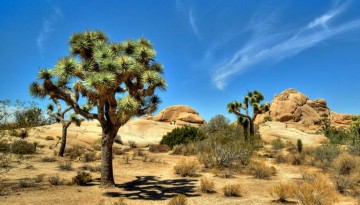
{"x": 298, "y": 111}
{"x": 143, "y": 131}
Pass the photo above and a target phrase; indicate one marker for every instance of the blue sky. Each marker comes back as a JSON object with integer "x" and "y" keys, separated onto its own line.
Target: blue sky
{"x": 213, "y": 52}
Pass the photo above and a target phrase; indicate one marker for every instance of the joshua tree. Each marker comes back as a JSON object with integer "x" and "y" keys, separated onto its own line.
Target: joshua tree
{"x": 118, "y": 81}
{"x": 60, "y": 117}
{"x": 251, "y": 99}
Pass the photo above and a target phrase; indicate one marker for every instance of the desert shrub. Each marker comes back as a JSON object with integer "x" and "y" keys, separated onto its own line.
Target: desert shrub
{"x": 216, "y": 124}
{"x": 75, "y": 152}
{"x": 4, "y": 147}
{"x": 23, "y": 147}
{"x": 132, "y": 144}
{"x": 48, "y": 159}
{"x": 91, "y": 168}
{"x": 318, "y": 191}
{"x": 297, "y": 159}
{"x": 39, "y": 178}
{"x": 159, "y": 148}
{"x": 49, "y": 138}
{"x": 66, "y": 166}
{"x": 29, "y": 117}
{"x": 277, "y": 144}
{"x": 26, "y": 183}
{"x": 225, "y": 154}
{"x": 267, "y": 119}
{"x": 261, "y": 171}
{"x": 97, "y": 144}
{"x": 325, "y": 154}
{"x": 282, "y": 191}
{"x": 186, "y": 149}
{"x": 299, "y": 145}
{"x": 345, "y": 184}
{"x": 126, "y": 159}
{"x": 345, "y": 164}
{"x": 3, "y": 186}
{"x": 178, "y": 200}
{"x": 337, "y": 135}
{"x": 55, "y": 180}
{"x": 280, "y": 158}
{"x": 206, "y": 186}
{"x": 182, "y": 135}
{"x": 89, "y": 157}
{"x": 186, "y": 168}
{"x": 82, "y": 178}
{"x": 6, "y": 163}
{"x": 232, "y": 190}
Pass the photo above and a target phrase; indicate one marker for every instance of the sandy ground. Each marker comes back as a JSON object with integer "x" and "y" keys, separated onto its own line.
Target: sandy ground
{"x": 139, "y": 182}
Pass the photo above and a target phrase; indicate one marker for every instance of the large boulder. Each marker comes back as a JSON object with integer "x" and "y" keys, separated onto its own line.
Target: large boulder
{"x": 298, "y": 111}
{"x": 179, "y": 114}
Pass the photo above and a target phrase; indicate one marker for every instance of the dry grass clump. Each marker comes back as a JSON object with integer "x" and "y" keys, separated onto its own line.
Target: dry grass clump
{"x": 75, "y": 152}
{"x": 186, "y": 168}
{"x": 26, "y": 183}
{"x": 56, "y": 180}
{"x": 297, "y": 159}
{"x": 91, "y": 168}
{"x": 345, "y": 164}
{"x": 324, "y": 155}
{"x": 281, "y": 158}
{"x": 48, "y": 159}
{"x": 159, "y": 148}
{"x": 206, "y": 186}
{"x": 49, "y": 138}
{"x": 82, "y": 178}
{"x": 89, "y": 157}
{"x": 315, "y": 191}
{"x": 232, "y": 190}
{"x": 282, "y": 191}
{"x": 261, "y": 171}
{"x": 66, "y": 166}
{"x": 227, "y": 173}
{"x": 39, "y": 178}
{"x": 186, "y": 150}
{"x": 178, "y": 200}
{"x": 278, "y": 144}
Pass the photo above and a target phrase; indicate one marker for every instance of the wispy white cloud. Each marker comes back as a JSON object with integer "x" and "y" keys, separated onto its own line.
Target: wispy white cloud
{"x": 193, "y": 24}
{"x": 256, "y": 52}
{"x": 47, "y": 28}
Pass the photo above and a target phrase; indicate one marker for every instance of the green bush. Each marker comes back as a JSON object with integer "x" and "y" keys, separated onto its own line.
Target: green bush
{"x": 277, "y": 144}
{"x": 182, "y": 135}
{"x": 338, "y": 135}
{"x": 23, "y": 147}
{"x": 325, "y": 154}
{"x": 82, "y": 178}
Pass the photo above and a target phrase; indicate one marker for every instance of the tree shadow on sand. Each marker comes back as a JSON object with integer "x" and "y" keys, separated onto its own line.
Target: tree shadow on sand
{"x": 152, "y": 188}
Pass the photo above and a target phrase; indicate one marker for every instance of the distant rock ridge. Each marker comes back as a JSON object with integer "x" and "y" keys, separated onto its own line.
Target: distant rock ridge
{"x": 297, "y": 110}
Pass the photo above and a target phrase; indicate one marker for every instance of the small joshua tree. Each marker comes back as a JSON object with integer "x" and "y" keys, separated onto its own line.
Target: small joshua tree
{"x": 251, "y": 99}
{"x": 60, "y": 117}
{"x": 118, "y": 80}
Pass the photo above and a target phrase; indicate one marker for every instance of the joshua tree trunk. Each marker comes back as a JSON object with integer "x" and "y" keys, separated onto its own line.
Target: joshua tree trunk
{"x": 107, "y": 177}
{"x": 63, "y": 139}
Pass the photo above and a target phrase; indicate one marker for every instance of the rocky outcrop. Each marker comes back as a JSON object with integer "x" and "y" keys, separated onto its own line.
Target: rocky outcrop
{"x": 179, "y": 114}
{"x": 298, "y": 111}
{"x": 143, "y": 131}
{"x": 270, "y": 131}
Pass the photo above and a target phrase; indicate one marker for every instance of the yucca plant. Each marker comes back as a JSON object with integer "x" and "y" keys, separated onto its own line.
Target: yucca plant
{"x": 59, "y": 115}
{"x": 117, "y": 81}
{"x": 252, "y": 99}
